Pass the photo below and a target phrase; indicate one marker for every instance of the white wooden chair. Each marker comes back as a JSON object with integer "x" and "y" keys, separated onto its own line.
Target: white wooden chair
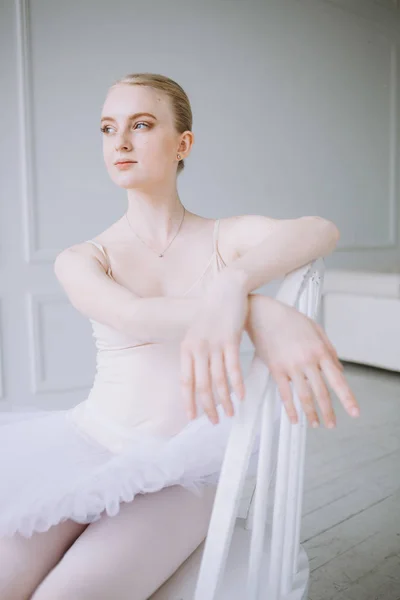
{"x": 258, "y": 557}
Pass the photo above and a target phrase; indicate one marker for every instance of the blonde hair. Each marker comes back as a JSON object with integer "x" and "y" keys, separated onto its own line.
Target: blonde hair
{"x": 179, "y": 100}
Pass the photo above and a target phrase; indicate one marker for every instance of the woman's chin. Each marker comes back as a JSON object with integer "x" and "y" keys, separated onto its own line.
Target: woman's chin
{"x": 128, "y": 181}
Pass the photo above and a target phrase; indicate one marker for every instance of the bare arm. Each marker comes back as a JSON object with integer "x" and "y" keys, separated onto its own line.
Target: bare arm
{"x": 269, "y": 249}
{"x": 82, "y": 273}
{"x": 299, "y": 354}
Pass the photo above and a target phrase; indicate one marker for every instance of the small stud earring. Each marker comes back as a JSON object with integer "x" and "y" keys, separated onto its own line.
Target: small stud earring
{"x": 179, "y": 157}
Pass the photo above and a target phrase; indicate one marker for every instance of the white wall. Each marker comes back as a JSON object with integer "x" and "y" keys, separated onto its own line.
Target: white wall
{"x": 296, "y": 111}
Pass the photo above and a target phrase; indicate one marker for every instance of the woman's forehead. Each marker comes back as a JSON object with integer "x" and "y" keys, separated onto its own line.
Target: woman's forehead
{"x": 125, "y": 100}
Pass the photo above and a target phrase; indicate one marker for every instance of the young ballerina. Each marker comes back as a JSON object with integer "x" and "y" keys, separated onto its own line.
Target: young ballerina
{"x": 105, "y": 500}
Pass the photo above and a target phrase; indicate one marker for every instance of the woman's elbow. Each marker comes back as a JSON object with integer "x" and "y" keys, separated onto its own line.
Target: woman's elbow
{"x": 330, "y": 231}
{"x": 334, "y": 233}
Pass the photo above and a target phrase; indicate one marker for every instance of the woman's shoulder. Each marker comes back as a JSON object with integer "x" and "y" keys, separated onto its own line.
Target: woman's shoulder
{"x": 240, "y": 232}
{"x": 237, "y": 233}
{"x": 80, "y": 254}
{"x": 111, "y": 234}
{"x": 95, "y": 247}
{"x": 226, "y": 239}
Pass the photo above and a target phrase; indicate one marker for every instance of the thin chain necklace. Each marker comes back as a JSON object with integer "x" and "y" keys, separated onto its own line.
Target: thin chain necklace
{"x": 162, "y": 253}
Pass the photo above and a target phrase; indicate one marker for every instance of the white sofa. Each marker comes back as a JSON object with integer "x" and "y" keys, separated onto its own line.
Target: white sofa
{"x": 361, "y": 316}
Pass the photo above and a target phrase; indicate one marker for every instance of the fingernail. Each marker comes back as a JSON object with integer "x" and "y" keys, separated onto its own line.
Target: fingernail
{"x": 315, "y": 424}
{"x": 331, "y": 425}
{"x": 354, "y": 412}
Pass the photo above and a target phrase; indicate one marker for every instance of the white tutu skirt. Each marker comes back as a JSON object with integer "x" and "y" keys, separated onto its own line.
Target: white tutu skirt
{"x": 51, "y": 471}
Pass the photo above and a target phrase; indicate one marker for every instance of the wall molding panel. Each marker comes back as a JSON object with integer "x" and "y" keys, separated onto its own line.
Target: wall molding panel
{"x": 394, "y": 160}
{"x": 2, "y": 389}
{"x": 32, "y": 253}
{"x": 40, "y": 379}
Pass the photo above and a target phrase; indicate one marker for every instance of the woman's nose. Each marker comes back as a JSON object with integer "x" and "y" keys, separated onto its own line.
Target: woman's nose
{"x": 123, "y": 142}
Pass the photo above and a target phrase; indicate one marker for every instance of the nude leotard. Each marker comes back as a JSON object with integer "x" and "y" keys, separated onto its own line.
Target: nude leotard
{"x": 136, "y": 390}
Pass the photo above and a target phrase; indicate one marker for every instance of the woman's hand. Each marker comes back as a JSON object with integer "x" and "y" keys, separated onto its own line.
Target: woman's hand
{"x": 210, "y": 348}
{"x": 296, "y": 349}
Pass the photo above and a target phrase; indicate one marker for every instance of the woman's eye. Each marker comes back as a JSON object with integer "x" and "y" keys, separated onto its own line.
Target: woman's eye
{"x": 106, "y": 128}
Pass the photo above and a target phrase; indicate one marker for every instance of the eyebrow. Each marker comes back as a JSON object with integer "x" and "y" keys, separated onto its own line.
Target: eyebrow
{"x": 131, "y": 117}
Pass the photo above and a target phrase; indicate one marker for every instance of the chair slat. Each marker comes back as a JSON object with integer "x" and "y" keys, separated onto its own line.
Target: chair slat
{"x": 261, "y": 496}
{"x": 280, "y": 505}
{"x": 294, "y": 482}
{"x": 313, "y": 310}
{"x": 290, "y": 510}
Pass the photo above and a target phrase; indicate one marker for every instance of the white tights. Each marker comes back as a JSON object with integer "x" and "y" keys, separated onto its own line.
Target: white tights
{"x": 128, "y": 556}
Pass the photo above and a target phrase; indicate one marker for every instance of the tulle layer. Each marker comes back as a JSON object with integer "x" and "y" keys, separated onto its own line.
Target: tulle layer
{"x": 50, "y": 471}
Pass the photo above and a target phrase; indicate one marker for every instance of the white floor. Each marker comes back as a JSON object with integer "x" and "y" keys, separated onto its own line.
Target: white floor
{"x": 351, "y": 522}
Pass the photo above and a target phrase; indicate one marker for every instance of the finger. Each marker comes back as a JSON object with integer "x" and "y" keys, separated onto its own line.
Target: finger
{"x": 285, "y": 392}
{"x": 187, "y": 382}
{"x": 232, "y": 363}
{"x": 303, "y": 391}
{"x": 336, "y": 360}
{"x": 340, "y": 386}
{"x": 203, "y": 384}
{"x": 219, "y": 378}
{"x": 330, "y": 346}
{"x": 320, "y": 391}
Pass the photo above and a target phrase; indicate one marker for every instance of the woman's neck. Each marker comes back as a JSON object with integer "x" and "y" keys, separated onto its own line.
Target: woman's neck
{"x": 154, "y": 216}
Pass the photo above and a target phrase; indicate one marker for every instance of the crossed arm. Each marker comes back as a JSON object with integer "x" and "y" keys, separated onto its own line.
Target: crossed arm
{"x": 266, "y": 249}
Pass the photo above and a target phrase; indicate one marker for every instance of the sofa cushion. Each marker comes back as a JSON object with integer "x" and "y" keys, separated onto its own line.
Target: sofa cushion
{"x": 363, "y": 283}
{"x": 364, "y": 329}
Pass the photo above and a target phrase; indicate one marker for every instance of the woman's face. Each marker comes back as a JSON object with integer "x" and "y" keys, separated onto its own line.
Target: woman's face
{"x": 138, "y": 126}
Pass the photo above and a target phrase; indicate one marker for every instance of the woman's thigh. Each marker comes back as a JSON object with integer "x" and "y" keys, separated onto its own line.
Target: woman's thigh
{"x": 130, "y": 555}
{"x": 24, "y": 562}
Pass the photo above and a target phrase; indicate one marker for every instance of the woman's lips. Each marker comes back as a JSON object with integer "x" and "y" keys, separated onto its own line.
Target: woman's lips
{"x": 125, "y": 164}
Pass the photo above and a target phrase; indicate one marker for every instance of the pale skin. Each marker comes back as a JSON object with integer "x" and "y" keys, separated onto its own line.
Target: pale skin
{"x": 294, "y": 347}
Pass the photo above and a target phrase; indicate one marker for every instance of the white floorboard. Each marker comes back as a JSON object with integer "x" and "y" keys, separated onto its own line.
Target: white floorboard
{"x": 351, "y": 512}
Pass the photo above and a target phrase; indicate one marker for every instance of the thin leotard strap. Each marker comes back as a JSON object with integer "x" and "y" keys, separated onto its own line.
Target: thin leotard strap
{"x": 219, "y": 262}
{"x": 215, "y": 236}
{"x": 100, "y": 247}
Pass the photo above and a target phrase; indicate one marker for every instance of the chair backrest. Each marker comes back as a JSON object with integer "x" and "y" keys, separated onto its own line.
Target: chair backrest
{"x": 255, "y": 424}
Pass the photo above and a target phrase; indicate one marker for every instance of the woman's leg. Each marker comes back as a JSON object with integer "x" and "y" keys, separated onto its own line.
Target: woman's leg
{"x": 24, "y": 562}
{"x": 129, "y": 556}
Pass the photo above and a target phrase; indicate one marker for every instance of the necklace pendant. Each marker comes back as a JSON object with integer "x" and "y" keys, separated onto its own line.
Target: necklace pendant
{"x": 160, "y": 255}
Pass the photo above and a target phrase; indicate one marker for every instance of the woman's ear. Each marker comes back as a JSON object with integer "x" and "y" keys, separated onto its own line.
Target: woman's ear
{"x": 186, "y": 143}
